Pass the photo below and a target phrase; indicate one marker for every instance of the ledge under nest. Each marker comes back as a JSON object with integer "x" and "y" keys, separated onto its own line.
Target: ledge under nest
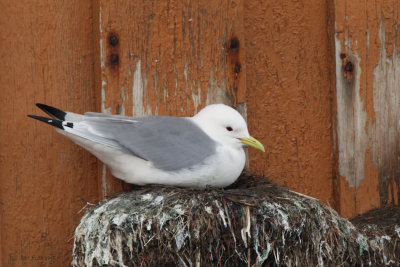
{"x": 248, "y": 225}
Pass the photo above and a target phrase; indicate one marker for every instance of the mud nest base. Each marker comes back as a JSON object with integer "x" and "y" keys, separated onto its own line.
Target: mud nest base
{"x": 259, "y": 224}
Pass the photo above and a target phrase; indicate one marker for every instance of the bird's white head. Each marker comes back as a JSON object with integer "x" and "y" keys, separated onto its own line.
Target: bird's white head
{"x": 226, "y": 126}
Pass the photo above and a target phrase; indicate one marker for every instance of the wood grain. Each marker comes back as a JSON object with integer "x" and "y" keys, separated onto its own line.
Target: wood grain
{"x": 46, "y": 51}
{"x": 290, "y": 80}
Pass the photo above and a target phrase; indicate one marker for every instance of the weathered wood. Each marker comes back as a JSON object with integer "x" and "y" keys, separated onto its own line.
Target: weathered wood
{"x": 290, "y": 79}
{"x": 368, "y": 104}
{"x": 46, "y": 56}
{"x": 169, "y": 58}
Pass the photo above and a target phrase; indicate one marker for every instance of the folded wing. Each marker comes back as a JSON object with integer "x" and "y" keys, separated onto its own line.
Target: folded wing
{"x": 169, "y": 143}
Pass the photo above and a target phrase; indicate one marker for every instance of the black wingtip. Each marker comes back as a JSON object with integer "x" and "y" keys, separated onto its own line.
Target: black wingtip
{"x": 52, "y": 122}
{"x": 52, "y": 111}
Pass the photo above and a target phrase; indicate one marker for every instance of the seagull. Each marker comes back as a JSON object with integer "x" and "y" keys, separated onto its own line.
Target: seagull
{"x": 205, "y": 150}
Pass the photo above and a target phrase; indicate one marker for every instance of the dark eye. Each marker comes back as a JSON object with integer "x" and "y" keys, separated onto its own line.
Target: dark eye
{"x": 229, "y": 128}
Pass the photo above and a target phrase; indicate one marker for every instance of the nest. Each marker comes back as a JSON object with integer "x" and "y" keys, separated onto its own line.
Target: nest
{"x": 247, "y": 225}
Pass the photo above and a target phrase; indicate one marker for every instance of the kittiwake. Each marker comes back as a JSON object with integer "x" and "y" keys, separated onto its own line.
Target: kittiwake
{"x": 199, "y": 151}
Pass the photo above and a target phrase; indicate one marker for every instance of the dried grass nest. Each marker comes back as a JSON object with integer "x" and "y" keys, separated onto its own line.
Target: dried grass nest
{"x": 252, "y": 224}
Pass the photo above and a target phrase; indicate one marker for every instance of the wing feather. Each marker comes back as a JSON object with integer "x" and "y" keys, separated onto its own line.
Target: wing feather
{"x": 170, "y": 143}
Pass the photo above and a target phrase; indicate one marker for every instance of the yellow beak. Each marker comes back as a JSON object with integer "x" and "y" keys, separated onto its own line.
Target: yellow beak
{"x": 251, "y": 141}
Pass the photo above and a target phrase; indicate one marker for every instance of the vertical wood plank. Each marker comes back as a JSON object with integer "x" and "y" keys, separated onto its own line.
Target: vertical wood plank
{"x": 46, "y": 51}
{"x": 290, "y": 79}
{"x": 368, "y": 104}
{"x": 170, "y": 58}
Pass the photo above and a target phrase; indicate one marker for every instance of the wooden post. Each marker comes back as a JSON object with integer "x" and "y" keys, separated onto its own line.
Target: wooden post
{"x": 367, "y": 128}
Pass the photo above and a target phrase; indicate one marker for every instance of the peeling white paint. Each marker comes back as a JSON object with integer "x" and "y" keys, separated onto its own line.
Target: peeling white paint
{"x": 185, "y": 76}
{"x": 155, "y": 89}
{"x": 385, "y": 131}
{"x": 138, "y": 92}
{"x": 103, "y": 99}
{"x": 165, "y": 94}
{"x": 196, "y": 99}
{"x": 102, "y": 52}
{"x": 123, "y": 97}
{"x": 176, "y": 86}
{"x": 107, "y": 111}
{"x": 351, "y": 119}
{"x": 216, "y": 93}
{"x": 103, "y": 65}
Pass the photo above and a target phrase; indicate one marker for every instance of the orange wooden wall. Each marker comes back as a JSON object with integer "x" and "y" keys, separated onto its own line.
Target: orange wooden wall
{"x": 47, "y": 52}
{"x": 290, "y": 64}
{"x": 317, "y": 81}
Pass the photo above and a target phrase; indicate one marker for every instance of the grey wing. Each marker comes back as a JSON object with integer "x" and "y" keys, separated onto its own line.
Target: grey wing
{"x": 170, "y": 143}
{"x": 104, "y": 115}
